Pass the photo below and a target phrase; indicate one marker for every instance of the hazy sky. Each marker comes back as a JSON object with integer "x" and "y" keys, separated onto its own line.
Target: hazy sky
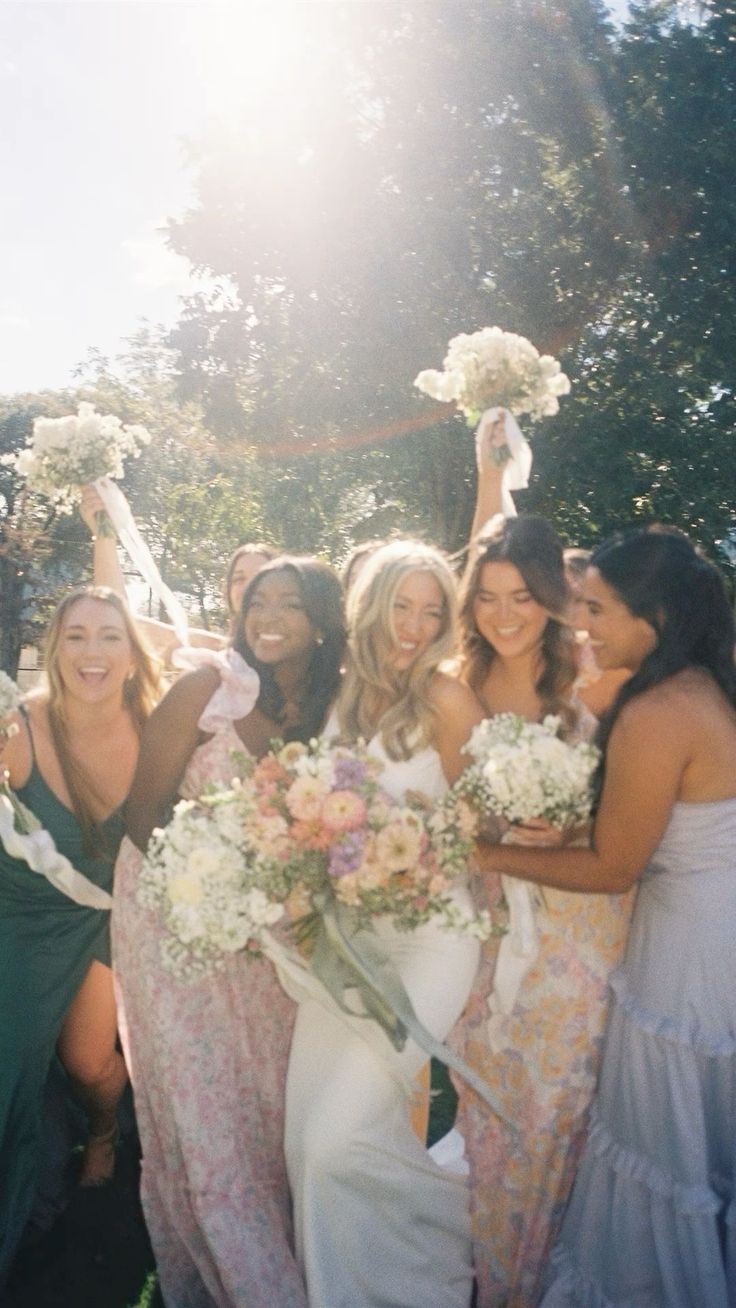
{"x": 96, "y": 97}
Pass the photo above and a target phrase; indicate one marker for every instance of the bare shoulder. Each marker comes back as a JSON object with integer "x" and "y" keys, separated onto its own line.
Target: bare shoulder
{"x": 449, "y": 695}
{"x": 670, "y": 710}
{"x": 188, "y": 695}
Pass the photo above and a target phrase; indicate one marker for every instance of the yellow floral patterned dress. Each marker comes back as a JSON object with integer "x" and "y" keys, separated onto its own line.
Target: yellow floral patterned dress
{"x": 541, "y": 1062}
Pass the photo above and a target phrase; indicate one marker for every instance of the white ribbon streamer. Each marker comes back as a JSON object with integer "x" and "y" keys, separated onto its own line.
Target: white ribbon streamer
{"x": 134, "y": 545}
{"x": 38, "y": 850}
{"x": 517, "y": 469}
{"x": 517, "y": 952}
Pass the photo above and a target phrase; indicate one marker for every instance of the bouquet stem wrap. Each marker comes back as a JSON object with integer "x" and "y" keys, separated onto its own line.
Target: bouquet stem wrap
{"x": 118, "y": 509}
{"x": 348, "y": 959}
{"x": 519, "y": 463}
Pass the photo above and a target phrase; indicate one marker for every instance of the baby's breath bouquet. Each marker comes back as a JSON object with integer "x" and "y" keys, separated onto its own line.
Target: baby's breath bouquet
{"x": 217, "y": 876}
{"x": 523, "y": 770}
{"x": 10, "y": 698}
{"x": 67, "y": 453}
{"x": 491, "y": 368}
{"x": 21, "y": 817}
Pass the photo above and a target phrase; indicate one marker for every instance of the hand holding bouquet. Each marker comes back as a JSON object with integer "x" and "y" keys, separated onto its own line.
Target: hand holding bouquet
{"x": 67, "y": 453}
{"x": 523, "y": 771}
{"x": 491, "y": 370}
{"x": 308, "y": 826}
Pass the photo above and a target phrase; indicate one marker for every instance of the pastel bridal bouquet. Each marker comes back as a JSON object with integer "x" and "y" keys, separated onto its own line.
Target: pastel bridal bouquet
{"x": 67, "y": 453}
{"x": 523, "y": 770}
{"x": 307, "y": 841}
{"x": 307, "y": 830}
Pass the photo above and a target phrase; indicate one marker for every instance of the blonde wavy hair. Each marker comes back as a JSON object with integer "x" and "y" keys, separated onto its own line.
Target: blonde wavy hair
{"x": 370, "y": 684}
{"x": 141, "y": 693}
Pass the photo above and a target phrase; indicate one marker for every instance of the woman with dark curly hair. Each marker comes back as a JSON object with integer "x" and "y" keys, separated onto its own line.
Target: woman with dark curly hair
{"x": 208, "y": 1058}
{"x": 535, "y": 1021}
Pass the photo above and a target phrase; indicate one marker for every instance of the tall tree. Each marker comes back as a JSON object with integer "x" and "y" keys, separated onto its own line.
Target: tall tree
{"x": 442, "y": 167}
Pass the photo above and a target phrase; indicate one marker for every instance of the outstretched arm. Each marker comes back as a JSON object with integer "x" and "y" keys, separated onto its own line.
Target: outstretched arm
{"x": 170, "y": 737}
{"x": 647, "y": 754}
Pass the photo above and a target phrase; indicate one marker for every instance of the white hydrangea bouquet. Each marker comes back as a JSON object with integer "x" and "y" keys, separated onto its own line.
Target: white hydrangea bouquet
{"x": 524, "y": 770}
{"x": 493, "y": 367}
{"x": 216, "y": 874}
{"x": 10, "y": 698}
{"x": 15, "y": 818}
{"x": 67, "y": 453}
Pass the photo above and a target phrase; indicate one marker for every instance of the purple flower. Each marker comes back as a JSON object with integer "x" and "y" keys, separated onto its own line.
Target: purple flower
{"x": 346, "y": 854}
{"x": 349, "y": 773}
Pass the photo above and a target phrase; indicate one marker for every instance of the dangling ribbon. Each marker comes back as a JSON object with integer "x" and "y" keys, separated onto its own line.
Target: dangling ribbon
{"x": 519, "y": 464}
{"x": 24, "y": 838}
{"x": 130, "y": 538}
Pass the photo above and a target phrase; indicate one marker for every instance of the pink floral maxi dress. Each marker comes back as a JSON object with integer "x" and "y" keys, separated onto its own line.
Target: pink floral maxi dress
{"x": 542, "y": 1064}
{"x": 207, "y": 1061}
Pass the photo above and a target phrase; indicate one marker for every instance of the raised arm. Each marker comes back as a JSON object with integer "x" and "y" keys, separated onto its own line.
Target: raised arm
{"x": 106, "y": 568}
{"x": 107, "y": 572}
{"x": 488, "y": 500}
{"x": 648, "y": 752}
{"x": 170, "y": 737}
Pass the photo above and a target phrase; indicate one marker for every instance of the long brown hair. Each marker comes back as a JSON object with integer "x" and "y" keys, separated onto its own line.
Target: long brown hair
{"x": 140, "y": 694}
{"x": 532, "y": 545}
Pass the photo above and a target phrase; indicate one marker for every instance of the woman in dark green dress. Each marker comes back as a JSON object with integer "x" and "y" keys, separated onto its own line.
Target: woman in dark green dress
{"x": 69, "y": 755}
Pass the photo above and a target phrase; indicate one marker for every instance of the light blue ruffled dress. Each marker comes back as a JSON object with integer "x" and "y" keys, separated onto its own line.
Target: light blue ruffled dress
{"x": 652, "y": 1217}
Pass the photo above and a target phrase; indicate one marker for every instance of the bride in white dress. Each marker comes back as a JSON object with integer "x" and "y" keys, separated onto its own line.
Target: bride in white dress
{"x": 378, "y": 1223}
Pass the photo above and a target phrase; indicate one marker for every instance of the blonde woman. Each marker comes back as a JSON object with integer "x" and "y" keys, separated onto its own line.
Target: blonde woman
{"x": 70, "y": 760}
{"x": 377, "y": 1221}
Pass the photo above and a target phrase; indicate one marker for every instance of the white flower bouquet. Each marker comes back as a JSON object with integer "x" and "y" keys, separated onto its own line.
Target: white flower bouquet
{"x": 492, "y": 368}
{"x": 216, "y": 874}
{"x": 523, "y": 770}
{"x": 67, "y": 453}
{"x": 10, "y": 698}
{"x": 20, "y": 817}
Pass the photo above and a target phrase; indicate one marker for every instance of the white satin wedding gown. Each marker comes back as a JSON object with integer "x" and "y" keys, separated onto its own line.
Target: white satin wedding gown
{"x": 378, "y": 1223}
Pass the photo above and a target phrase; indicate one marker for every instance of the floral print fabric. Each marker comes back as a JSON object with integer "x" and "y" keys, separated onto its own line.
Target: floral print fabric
{"x": 207, "y": 1061}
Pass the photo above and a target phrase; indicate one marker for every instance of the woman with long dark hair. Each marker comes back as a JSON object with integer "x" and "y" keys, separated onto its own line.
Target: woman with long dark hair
{"x": 534, "y": 1024}
{"x": 650, "y": 1220}
{"x": 208, "y": 1058}
{"x": 69, "y": 755}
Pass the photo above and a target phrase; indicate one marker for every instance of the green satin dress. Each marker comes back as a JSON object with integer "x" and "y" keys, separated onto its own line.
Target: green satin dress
{"x": 47, "y": 943}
